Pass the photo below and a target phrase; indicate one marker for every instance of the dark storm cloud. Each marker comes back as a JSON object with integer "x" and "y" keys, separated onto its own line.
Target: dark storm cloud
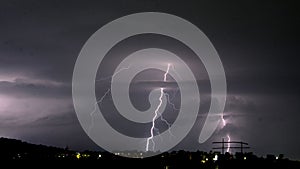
{"x": 61, "y": 119}
{"x": 23, "y": 89}
{"x": 257, "y": 43}
{"x": 43, "y": 39}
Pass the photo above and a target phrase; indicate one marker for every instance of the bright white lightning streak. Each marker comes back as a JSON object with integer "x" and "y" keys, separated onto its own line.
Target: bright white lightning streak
{"x": 156, "y": 110}
{"x": 153, "y": 120}
{"x": 164, "y": 120}
{"x": 223, "y": 120}
{"x": 228, "y": 145}
{"x": 156, "y": 113}
{"x": 167, "y": 72}
{"x": 228, "y": 137}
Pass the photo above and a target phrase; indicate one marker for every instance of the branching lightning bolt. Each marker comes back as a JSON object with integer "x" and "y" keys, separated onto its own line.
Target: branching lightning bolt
{"x": 169, "y": 101}
{"x": 153, "y": 120}
{"x": 117, "y": 72}
{"x": 163, "y": 119}
{"x": 95, "y": 107}
{"x": 102, "y": 98}
{"x": 156, "y": 112}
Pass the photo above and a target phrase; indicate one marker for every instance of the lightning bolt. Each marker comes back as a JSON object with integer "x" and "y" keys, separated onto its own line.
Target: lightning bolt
{"x": 168, "y": 97}
{"x": 174, "y": 70}
{"x": 223, "y": 121}
{"x": 175, "y": 93}
{"x": 95, "y": 107}
{"x": 153, "y": 123}
{"x": 164, "y": 120}
{"x": 169, "y": 101}
{"x": 156, "y": 112}
{"x": 92, "y": 114}
{"x": 228, "y": 137}
{"x": 228, "y": 145}
{"x": 117, "y": 72}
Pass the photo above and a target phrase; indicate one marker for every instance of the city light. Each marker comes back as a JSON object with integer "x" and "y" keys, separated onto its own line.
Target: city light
{"x": 78, "y": 156}
{"x": 215, "y": 158}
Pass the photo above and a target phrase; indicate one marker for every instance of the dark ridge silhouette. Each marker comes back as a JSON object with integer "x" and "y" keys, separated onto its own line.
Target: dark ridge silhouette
{"x": 16, "y": 152}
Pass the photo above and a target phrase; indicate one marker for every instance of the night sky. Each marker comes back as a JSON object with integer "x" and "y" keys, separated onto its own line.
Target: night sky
{"x": 258, "y": 43}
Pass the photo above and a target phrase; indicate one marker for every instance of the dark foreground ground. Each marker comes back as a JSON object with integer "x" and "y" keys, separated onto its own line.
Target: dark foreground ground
{"x": 21, "y": 154}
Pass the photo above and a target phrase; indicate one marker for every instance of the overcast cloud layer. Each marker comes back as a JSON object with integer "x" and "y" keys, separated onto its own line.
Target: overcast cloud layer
{"x": 257, "y": 43}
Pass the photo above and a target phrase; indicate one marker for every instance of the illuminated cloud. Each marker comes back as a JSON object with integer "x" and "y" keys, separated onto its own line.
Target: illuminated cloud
{"x": 40, "y": 42}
